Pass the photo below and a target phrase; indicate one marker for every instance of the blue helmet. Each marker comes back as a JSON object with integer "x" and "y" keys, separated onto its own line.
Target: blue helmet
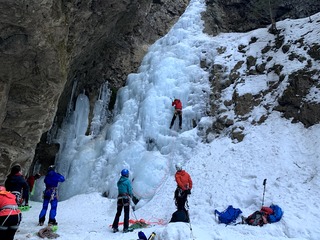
{"x": 125, "y": 172}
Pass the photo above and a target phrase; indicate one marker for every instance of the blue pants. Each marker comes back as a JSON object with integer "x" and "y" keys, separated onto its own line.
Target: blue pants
{"x": 53, "y": 210}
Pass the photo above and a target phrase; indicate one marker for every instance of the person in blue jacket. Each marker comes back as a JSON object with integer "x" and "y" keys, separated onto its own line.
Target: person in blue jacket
{"x": 50, "y": 195}
{"x": 124, "y": 195}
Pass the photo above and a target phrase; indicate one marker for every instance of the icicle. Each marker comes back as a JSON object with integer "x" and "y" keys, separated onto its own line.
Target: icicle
{"x": 70, "y": 105}
{"x": 100, "y": 112}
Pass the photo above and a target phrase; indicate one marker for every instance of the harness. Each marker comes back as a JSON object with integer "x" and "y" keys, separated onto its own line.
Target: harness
{"x": 53, "y": 194}
{"x": 181, "y": 197}
{"x": 125, "y": 199}
{"x": 12, "y": 207}
{"x": 177, "y": 112}
{"x": 123, "y": 195}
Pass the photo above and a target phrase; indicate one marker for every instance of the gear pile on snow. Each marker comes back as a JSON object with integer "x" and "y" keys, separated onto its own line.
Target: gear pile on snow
{"x": 263, "y": 216}
{"x": 47, "y": 232}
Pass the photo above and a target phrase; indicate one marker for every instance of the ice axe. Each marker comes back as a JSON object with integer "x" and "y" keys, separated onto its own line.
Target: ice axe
{"x": 264, "y": 190}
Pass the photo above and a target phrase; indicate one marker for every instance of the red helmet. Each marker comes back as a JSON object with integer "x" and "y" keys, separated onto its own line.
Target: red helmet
{"x": 2, "y": 188}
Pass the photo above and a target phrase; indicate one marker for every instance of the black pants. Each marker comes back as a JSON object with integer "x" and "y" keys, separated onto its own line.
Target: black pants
{"x": 179, "y": 113}
{"x": 9, "y": 228}
{"x": 122, "y": 203}
{"x": 181, "y": 198}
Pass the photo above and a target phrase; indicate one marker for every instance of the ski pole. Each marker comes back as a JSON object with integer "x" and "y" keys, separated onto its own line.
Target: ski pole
{"x": 264, "y": 190}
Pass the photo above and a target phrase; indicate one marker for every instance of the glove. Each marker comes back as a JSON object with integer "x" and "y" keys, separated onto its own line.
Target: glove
{"x": 135, "y": 200}
{"x": 188, "y": 191}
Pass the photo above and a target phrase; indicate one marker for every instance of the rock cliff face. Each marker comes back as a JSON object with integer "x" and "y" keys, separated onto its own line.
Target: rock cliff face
{"x": 48, "y": 47}
{"x": 45, "y": 46}
{"x": 290, "y": 65}
{"x": 246, "y": 15}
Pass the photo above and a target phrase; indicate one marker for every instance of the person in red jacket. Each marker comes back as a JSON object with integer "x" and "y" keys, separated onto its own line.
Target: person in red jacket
{"x": 10, "y": 215}
{"x": 177, "y": 112}
{"x": 184, "y": 186}
{"x": 31, "y": 180}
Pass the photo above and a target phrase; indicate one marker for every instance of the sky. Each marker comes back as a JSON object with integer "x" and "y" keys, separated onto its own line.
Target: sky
{"x": 224, "y": 171}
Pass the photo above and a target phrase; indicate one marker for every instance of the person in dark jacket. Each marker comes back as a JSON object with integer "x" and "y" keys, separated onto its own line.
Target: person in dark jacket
{"x": 177, "y": 112}
{"x": 50, "y": 195}
{"x": 124, "y": 195}
{"x": 17, "y": 185}
{"x": 10, "y": 215}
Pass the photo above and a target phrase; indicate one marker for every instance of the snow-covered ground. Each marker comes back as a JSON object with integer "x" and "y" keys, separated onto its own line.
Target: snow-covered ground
{"x": 224, "y": 172}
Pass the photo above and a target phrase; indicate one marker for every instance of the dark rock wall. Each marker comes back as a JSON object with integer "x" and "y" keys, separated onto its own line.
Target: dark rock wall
{"x": 33, "y": 71}
{"x": 243, "y": 16}
{"x": 45, "y": 46}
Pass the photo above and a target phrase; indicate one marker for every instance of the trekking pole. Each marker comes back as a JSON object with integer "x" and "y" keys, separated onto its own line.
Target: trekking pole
{"x": 264, "y": 190}
{"x": 134, "y": 214}
{"x": 141, "y": 223}
{"x": 187, "y": 211}
{"x": 191, "y": 228}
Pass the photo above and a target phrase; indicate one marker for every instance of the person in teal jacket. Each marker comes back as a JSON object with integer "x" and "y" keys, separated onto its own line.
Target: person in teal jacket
{"x": 124, "y": 195}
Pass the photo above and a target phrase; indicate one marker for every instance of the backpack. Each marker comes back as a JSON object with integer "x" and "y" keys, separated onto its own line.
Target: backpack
{"x": 256, "y": 219}
{"x": 277, "y": 214}
{"x": 19, "y": 198}
{"x": 229, "y": 215}
{"x": 267, "y": 210}
{"x": 142, "y": 236}
{"x": 180, "y": 216}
